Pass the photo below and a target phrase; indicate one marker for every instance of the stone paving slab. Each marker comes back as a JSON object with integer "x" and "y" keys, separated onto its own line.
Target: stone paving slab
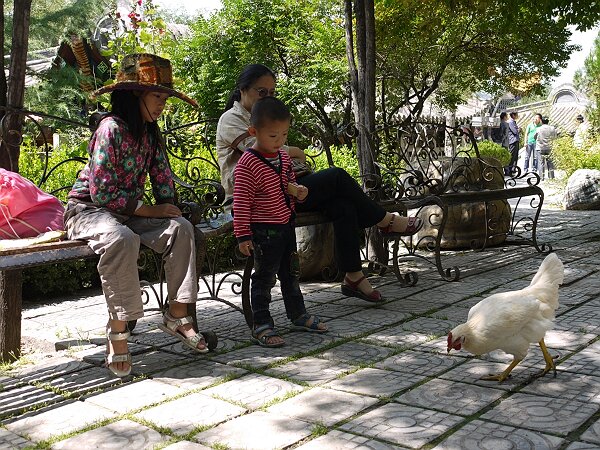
{"x": 350, "y": 328}
{"x": 419, "y": 363}
{"x": 122, "y": 434}
{"x": 456, "y": 398}
{"x": 569, "y": 386}
{"x": 585, "y": 362}
{"x": 338, "y": 440}
{"x": 185, "y": 414}
{"x": 375, "y": 382}
{"x": 10, "y": 440}
{"x": 22, "y": 398}
{"x": 257, "y": 431}
{"x": 255, "y": 356}
{"x": 399, "y": 424}
{"x": 59, "y": 420}
{"x": 136, "y": 395}
{"x": 592, "y": 434}
{"x": 487, "y": 435}
{"x": 429, "y": 326}
{"x": 474, "y": 369}
{"x": 49, "y": 369}
{"x": 223, "y": 345}
{"x": 356, "y": 353}
{"x": 397, "y": 336}
{"x": 78, "y": 383}
{"x": 197, "y": 374}
{"x": 331, "y": 311}
{"x": 378, "y": 316}
{"x": 302, "y": 341}
{"x": 254, "y": 390}
{"x": 583, "y": 446}
{"x": 322, "y": 406}
{"x": 541, "y": 413}
{"x": 186, "y": 445}
{"x": 310, "y": 370}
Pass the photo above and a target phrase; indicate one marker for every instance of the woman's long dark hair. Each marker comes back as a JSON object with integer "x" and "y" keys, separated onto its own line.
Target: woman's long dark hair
{"x": 126, "y": 105}
{"x": 247, "y": 78}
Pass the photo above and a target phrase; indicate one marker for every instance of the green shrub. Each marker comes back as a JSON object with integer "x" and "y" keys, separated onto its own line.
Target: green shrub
{"x": 490, "y": 149}
{"x": 569, "y": 158}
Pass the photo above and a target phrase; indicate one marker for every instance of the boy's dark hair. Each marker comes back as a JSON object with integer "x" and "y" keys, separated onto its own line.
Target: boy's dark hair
{"x": 503, "y": 115}
{"x": 513, "y": 114}
{"x": 545, "y": 120}
{"x": 268, "y": 109}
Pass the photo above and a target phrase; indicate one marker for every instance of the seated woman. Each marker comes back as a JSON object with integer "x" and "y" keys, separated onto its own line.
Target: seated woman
{"x": 331, "y": 191}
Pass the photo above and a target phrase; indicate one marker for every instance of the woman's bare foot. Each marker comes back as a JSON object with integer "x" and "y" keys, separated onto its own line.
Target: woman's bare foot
{"x": 117, "y": 346}
{"x": 364, "y": 286}
{"x": 400, "y": 225}
{"x": 179, "y": 310}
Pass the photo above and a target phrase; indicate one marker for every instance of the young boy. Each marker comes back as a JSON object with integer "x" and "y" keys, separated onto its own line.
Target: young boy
{"x": 264, "y": 197}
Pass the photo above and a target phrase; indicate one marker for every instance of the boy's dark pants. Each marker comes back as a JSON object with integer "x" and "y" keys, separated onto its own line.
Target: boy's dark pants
{"x": 274, "y": 254}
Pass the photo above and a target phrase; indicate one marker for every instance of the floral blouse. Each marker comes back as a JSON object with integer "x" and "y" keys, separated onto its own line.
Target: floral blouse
{"x": 115, "y": 174}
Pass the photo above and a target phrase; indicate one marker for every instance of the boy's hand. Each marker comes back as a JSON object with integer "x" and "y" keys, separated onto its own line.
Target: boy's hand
{"x": 297, "y": 190}
{"x": 246, "y": 247}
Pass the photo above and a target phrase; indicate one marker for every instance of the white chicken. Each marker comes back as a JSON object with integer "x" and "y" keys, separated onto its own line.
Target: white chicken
{"x": 510, "y": 321}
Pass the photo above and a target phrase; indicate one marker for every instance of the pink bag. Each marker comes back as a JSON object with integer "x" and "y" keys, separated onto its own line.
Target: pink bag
{"x": 26, "y": 210}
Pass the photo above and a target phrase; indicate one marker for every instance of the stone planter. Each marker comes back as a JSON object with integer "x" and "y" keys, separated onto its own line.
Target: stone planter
{"x": 466, "y": 225}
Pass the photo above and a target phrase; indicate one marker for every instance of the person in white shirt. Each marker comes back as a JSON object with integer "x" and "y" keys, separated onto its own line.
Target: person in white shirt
{"x": 544, "y": 136}
{"x": 581, "y": 132}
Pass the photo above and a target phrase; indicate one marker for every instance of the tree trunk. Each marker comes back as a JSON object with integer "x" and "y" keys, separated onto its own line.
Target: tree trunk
{"x": 10, "y": 315}
{"x": 9, "y": 155}
{"x": 363, "y": 83}
{"x": 10, "y": 281}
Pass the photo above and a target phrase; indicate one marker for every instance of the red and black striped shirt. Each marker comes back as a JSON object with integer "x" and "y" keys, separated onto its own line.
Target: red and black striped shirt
{"x": 258, "y": 196}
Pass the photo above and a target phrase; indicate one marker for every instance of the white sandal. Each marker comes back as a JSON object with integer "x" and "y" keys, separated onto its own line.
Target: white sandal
{"x": 111, "y": 358}
{"x": 171, "y": 324}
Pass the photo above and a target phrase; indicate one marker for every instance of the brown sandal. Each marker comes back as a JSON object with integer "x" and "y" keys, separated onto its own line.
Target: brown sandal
{"x": 413, "y": 226}
{"x": 350, "y": 288}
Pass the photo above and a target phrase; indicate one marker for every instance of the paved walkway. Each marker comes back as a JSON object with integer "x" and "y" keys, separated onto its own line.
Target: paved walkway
{"x": 381, "y": 379}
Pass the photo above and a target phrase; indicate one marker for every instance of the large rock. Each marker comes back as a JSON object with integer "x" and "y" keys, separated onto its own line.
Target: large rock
{"x": 466, "y": 226}
{"x": 315, "y": 249}
{"x": 583, "y": 190}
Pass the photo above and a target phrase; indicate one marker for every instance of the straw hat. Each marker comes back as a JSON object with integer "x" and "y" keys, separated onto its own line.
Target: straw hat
{"x": 145, "y": 72}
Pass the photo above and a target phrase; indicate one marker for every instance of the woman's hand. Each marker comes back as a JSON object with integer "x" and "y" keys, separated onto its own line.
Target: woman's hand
{"x": 246, "y": 247}
{"x": 158, "y": 211}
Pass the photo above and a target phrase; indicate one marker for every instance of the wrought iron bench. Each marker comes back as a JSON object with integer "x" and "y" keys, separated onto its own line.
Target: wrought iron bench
{"x": 437, "y": 171}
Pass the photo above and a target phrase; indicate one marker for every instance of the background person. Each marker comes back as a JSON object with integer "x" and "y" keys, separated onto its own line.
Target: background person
{"x": 513, "y": 142}
{"x": 530, "y": 153}
{"x": 543, "y": 146}
{"x": 580, "y": 132}
{"x": 331, "y": 191}
{"x": 107, "y": 210}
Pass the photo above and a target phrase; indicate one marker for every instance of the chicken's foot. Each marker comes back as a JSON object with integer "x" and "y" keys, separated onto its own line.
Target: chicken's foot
{"x": 548, "y": 358}
{"x": 500, "y": 377}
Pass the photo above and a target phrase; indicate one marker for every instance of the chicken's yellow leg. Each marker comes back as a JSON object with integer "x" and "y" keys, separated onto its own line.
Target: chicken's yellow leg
{"x": 548, "y": 358}
{"x": 504, "y": 375}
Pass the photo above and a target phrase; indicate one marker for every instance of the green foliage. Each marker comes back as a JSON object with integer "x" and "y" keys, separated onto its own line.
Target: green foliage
{"x": 53, "y": 20}
{"x": 450, "y": 49}
{"x": 142, "y": 31}
{"x": 569, "y": 158}
{"x": 587, "y": 78}
{"x": 302, "y": 41}
{"x": 59, "y": 279}
{"x": 491, "y": 149}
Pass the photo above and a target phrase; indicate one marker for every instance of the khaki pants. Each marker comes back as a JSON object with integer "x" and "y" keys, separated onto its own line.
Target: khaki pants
{"x": 116, "y": 239}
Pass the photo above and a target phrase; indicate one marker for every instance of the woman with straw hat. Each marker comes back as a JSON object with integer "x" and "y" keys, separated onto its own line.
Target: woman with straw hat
{"x": 106, "y": 207}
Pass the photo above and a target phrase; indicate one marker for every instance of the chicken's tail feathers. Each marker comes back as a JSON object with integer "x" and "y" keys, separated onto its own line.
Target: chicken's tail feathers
{"x": 551, "y": 271}
{"x": 547, "y": 279}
